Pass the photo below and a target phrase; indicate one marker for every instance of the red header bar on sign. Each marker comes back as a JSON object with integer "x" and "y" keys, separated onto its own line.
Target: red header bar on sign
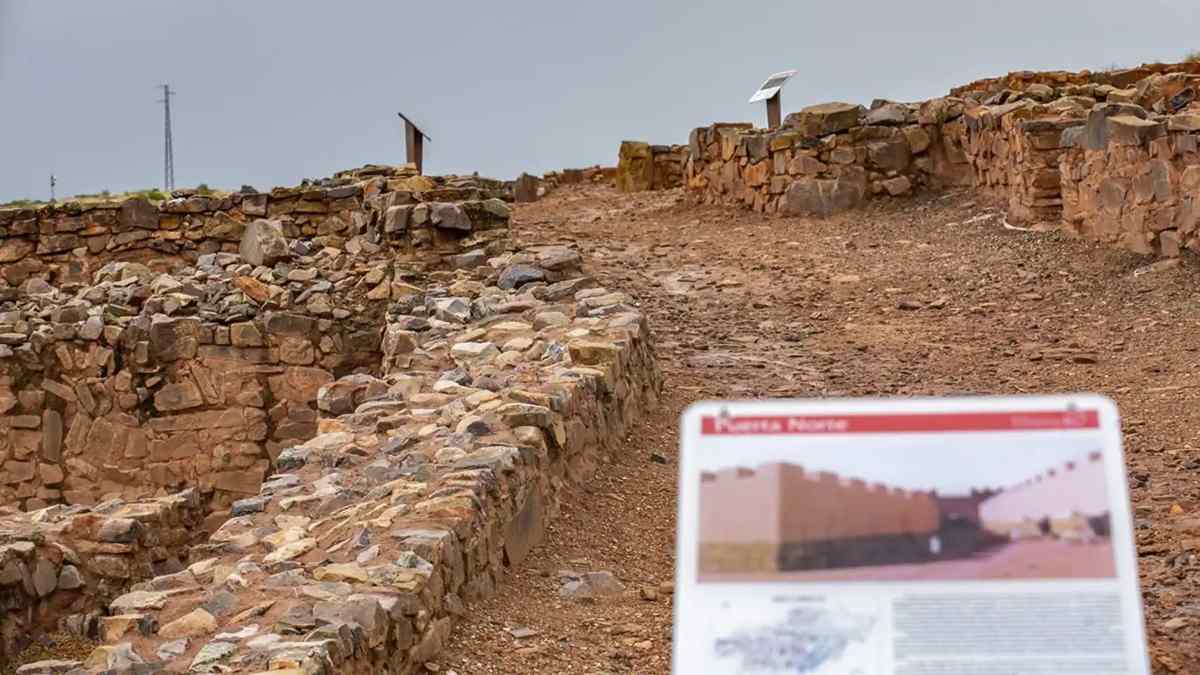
{"x": 1033, "y": 420}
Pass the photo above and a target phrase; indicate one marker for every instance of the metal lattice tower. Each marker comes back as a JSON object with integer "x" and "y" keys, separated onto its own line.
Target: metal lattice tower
{"x": 168, "y": 151}
{"x": 53, "y": 183}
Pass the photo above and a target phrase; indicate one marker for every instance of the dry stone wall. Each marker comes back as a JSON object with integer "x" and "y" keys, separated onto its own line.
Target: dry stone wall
{"x": 1134, "y": 181}
{"x": 826, "y": 158}
{"x": 65, "y": 244}
{"x": 1014, "y": 153}
{"x": 306, "y": 448}
{"x": 1106, "y": 155}
{"x": 642, "y": 166}
{"x": 59, "y": 566}
{"x": 150, "y": 365}
{"x": 502, "y": 384}
{"x": 592, "y": 174}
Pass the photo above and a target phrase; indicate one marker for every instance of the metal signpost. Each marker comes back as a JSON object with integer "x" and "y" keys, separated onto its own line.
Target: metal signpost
{"x": 414, "y": 141}
{"x": 769, "y": 92}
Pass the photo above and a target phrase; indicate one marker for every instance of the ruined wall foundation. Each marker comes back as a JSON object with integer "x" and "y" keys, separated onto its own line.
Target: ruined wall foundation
{"x": 301, "y": 428}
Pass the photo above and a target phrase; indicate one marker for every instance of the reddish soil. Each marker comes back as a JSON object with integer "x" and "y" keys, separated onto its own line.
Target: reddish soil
{"x": 927, "y": 296}
{"x": 1032, "y": 559}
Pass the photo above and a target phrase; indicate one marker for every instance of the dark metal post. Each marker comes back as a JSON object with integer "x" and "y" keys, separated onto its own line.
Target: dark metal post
{"x": 414, "y": 143}
{"x": 774, "y": 112}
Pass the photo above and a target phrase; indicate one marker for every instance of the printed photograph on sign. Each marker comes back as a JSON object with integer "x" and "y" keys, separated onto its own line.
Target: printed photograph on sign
{"x": 944, "y": 513}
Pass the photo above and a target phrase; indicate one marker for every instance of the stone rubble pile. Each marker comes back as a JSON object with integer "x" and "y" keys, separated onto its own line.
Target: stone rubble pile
{"x": 593, "y": 174}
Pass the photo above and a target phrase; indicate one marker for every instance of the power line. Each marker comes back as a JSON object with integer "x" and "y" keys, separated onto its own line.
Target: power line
{"x": 168, "y": 150}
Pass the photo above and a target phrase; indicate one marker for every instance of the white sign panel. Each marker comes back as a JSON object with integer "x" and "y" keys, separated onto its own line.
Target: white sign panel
{"x": 968, "y": 536}
{"x": 772, "y": 86}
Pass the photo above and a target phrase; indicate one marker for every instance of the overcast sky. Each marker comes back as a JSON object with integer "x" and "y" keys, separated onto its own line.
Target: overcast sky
{"x": 270, "y": 92}
{"x": 952, "y": 464}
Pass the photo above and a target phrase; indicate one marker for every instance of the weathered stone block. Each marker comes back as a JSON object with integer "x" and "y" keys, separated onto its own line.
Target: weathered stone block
{"x": 817, "y": 197}
{"x": 263, "y": 243}
{"x": 1132, "y": 130}
{"x": 825, "y": 118}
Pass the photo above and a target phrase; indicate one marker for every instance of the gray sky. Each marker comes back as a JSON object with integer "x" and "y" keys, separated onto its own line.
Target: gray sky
{"x": 270, "y": 92}
{"x": 952, "y": 464}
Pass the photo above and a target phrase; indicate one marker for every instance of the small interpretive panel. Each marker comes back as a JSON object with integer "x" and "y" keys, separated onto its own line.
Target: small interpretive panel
{"x": 953, "y": 536}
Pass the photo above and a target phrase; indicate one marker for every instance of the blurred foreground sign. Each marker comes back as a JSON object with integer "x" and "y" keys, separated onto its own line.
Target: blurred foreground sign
{"x": 969, "y": 536}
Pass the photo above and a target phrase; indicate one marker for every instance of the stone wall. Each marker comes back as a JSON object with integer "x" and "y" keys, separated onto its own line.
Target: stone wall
{"x": 63, "y": 565}
{"x": 96, "y": 410}
{"x": 1014, "y": 153}
{"x": 502, "y": 383}
{"x": 1037, "y": 81}
{"x": 66, "y": 243}
{"x": 372, "y": 413}
{"x": 1105, "y": 155}
{"x": 826, "y": 158}
{"x": 190, "y": 354}
{"x": 642, "y": 166}
{"x": 1134, "y": 181}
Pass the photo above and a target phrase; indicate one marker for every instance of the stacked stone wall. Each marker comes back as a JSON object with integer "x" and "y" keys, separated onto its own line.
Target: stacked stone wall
{"x": 59, "y": 567}
{"x": 161, "y": 403}
{"x": 642, "y": 166}
{"x": 591, "y": 174}
{"x": 1014, "y": 153}
{"x": 502, "y": 385}
{"x": 1134, "y": 182}
{"x": 1105, "y": 155}
{"x": 368, "y": 424}
{"x": 1120, "y": 78}
{"x": 66, "y": 243}
{"x": 825, "y": 158}
{"x": 190, "y": 354}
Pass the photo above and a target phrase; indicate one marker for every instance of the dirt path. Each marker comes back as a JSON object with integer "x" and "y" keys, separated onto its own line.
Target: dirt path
{"x": 924, "y": 297}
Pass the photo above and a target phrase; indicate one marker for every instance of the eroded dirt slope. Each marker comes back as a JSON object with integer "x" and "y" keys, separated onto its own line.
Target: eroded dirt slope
{"x": 924, "y": 297}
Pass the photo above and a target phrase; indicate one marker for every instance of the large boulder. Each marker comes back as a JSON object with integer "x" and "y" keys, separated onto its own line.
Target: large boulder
{"x": 1133, "y": 130}
{"x": 892, "y": 155}
{"x": 263, "y": 243}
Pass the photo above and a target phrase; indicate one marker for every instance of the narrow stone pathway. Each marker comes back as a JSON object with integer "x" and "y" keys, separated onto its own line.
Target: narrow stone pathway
{"x": 928, "y": 296}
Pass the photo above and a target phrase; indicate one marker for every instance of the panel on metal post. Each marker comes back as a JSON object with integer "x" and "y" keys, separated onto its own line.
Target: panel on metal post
{"x": 774, "y": 112}
{"x": 414, "y": 143}
{"x": 769, "y": 92}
